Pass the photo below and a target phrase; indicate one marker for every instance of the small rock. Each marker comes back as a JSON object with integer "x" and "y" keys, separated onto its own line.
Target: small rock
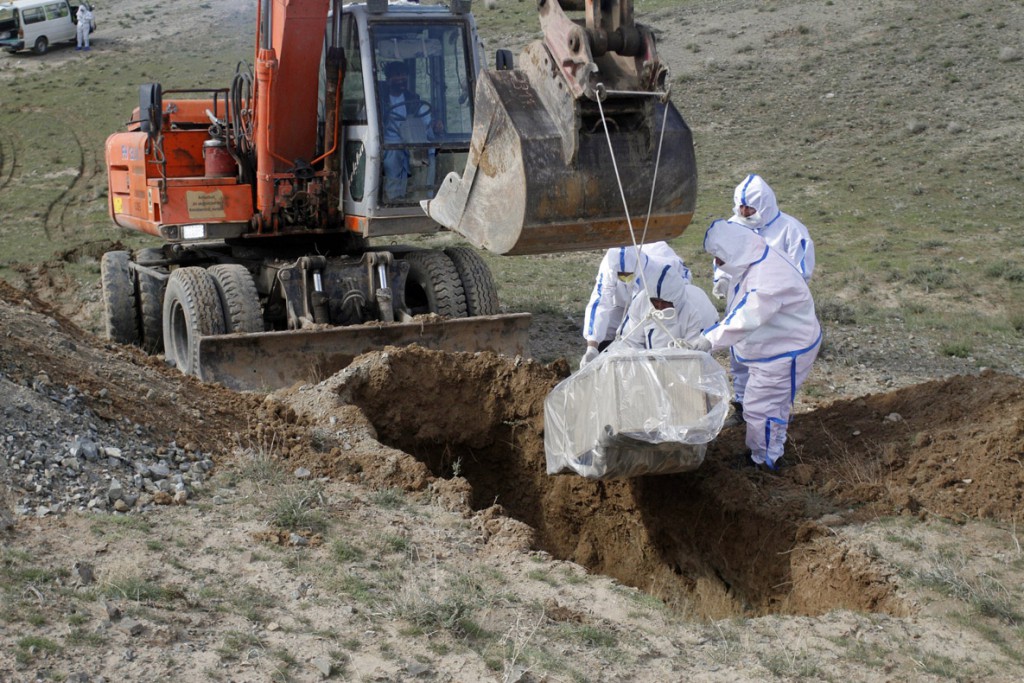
{"x": 1009, "y": 54}
{"x": 162, "y": 498}
{"x": 323, "y": 665}
{"x": 415, "y": 669}
{"x": 302, "y": 473}
{"x": 83, "y": 572}
{"x": 131, "y": 627}
{"x": 113, "y": 611}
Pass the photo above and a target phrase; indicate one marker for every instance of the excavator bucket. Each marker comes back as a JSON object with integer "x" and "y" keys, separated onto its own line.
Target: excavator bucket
{"x": 265, "y": 361}
{"x": 560, "y": 157}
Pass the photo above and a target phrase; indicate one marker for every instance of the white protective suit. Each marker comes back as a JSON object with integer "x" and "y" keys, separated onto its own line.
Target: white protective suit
{"x": 611, "y": 296}
{"x": 84, "y": 25}
{"x": 772, "y": 328}
{"x": 693, "y": 311}
{"x": 781, "y": 231}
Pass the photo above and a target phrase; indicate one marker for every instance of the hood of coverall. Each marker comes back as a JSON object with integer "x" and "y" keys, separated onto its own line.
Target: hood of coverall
{"x": 623, "y": 259}
{"x": 665, "y": 280}
{"x": 755, "y": 192}
{"x": 736, "y": 245}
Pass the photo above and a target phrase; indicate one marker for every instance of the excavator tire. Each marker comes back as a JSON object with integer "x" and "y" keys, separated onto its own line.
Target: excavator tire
{"x": 477, "y": 282}
{"x": 151, "y": 302}
{"x": 119, "y": 298}
{"x": 238, "y": 297}
{"x": 433, "y": 285}
{"x": 192, "y": 309}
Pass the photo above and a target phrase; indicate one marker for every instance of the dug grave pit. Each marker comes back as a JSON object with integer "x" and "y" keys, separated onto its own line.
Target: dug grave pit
{"x": 717, "y": 542}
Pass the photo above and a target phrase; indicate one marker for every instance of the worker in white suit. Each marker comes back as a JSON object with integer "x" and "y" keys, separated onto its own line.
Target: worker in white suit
{"x": 771, "y": 327}
{"x": 614, "y": 289}
{"x": 83, "y": 19}
{"x": 667, "y": 311}
{"x": 755, "y": 207}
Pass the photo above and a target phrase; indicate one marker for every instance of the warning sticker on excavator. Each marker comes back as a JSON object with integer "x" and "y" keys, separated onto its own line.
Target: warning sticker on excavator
{"x": 118, "y": 205}
{"x": 205, "y": 204}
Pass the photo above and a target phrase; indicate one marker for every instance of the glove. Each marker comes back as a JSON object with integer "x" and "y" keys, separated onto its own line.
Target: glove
{"x": 721, "y": 288}
{"x": 701, "y": 343}
{"x": 590, "y": 355}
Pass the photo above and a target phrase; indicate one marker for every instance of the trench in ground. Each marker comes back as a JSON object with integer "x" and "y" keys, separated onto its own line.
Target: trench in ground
{"x": 714, "y": 543}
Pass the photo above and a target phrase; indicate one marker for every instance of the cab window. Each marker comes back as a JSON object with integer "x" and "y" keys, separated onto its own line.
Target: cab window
{"x": 353, "y": 99}
{"x": 435, "y": 59}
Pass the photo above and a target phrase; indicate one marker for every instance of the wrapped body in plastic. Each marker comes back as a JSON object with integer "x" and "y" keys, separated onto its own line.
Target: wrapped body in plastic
{"x": 634, "y": 412}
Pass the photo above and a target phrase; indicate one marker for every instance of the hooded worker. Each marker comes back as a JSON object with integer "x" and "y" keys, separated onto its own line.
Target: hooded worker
{"x": 614, "y": 289}
{"x": 83, "y": 20}
{"x": 401, "y": 106}
{"x": 771, "y": 328}
{"x": 666, "y": 309}
{"x": 755, "y": 207}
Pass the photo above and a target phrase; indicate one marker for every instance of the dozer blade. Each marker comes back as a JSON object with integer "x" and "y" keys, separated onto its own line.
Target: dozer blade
{"x": 540, "y": 176}
{"x": 265, "y": 361}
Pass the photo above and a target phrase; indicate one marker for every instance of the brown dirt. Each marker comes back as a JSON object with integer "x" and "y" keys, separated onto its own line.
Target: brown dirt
{"x": 722, "y": 540}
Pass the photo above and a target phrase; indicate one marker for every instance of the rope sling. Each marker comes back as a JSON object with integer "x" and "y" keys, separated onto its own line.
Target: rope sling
{"x": 659, "y": 317}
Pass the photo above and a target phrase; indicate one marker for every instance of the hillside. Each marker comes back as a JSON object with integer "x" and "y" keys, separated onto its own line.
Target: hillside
{"x": 152, "y": 527}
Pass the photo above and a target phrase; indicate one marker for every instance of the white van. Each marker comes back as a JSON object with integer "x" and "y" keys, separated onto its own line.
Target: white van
{"x": 37, "y": 24}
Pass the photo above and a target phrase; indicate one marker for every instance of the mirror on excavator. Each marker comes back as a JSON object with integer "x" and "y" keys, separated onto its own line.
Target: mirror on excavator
{"x": 574, "y": 144}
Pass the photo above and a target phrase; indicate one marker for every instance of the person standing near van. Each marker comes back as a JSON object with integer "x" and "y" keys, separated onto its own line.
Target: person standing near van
{"x": 84, "y": 20}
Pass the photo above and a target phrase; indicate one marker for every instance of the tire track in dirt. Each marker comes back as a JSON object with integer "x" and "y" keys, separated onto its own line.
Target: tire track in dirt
{"x": 66, "y": 197}
{"x": 8, "y": 160}
{"x": 13, "y": 170}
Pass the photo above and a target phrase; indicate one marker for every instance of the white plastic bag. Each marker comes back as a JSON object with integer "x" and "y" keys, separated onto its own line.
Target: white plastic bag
{"x": 634, "y": 412}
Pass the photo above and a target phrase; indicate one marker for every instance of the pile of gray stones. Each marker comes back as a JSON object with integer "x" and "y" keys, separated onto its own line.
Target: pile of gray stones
{"x": 57, "y": 455}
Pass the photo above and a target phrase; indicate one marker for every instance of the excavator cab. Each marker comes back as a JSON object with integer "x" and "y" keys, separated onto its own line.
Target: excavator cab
{"x": 407, "y": 110}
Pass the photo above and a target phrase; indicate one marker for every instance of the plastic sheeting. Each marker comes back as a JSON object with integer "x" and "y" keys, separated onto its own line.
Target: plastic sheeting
{"x": 634, "y": 412}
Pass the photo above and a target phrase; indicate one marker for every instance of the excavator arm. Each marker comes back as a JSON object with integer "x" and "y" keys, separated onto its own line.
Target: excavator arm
{"x": 578, "y": 147}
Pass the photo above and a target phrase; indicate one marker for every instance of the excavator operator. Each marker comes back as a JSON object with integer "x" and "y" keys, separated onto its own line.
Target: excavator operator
{"x": 406, "y": 118}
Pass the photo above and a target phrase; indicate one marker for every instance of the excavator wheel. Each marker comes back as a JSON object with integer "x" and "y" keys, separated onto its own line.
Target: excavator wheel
{"x": 238, "y": 297}
{"x": 433, "y": 285}
{"x": 477, "y": 282}
{"x": 119, "y": 298}
{"x": 192, "y": 309}
{"x": 151, "y": 302}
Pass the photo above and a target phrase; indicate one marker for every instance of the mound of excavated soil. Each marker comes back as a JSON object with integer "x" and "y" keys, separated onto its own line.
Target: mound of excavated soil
{"x": 728, "y": 540}
{"x": 953, "y": 448}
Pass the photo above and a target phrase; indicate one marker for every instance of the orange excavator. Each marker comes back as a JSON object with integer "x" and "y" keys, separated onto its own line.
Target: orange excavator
{"x": 377, "y": 120}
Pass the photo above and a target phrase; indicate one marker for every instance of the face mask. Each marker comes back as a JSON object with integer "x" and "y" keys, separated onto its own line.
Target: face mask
{"x": 746, "y": 222}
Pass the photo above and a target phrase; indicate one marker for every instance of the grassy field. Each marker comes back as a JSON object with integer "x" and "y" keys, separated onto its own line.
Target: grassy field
{"x": 891, "y": 131}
